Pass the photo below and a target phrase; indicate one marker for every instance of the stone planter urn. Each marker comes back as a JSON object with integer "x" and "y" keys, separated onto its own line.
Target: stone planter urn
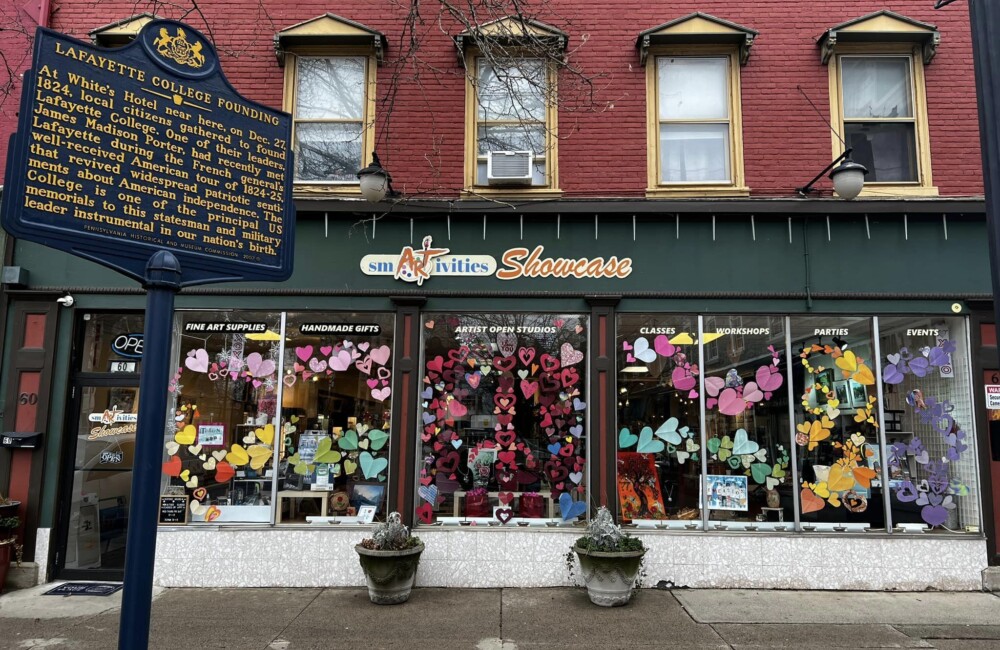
{"x": 390, "y": 574}
{"x": 609, "y": 576}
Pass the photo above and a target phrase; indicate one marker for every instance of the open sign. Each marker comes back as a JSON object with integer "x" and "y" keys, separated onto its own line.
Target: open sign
{"x": 128, "y": 345}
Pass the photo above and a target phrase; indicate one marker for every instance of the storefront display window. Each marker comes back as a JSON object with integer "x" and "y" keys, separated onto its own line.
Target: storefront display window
{"x": 335, "y": 416}
{"x": 930, "y": 448}
{"x": 220, "y": 441}
{"x": 748, "y": 447}
{"x": 836, "y": 424}
{"x": 503, "y": 419}
{"x": 659, "y": 429}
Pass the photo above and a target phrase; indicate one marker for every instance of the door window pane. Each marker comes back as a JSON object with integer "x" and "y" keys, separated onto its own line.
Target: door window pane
{"x": 694, "y": 152}
{"x": 112, "y": 343}
{"x": 929, "y": 423}
{"x": 335, "y": 415}
{"x": 503, "y": 422}
{"x": 836, "y": 424}
{"x": 659, "y": 422}
{"x": 693, "y": 88}
{"x": 748, "y": 444}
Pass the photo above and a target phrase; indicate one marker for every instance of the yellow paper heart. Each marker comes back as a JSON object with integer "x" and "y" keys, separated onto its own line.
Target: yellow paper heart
{"x": 259, "y": 455}
{"x": 857, "y": 439}
{"x": 265, "y": 434}
{"x": 186, "y": 435}
{"x": 294, "y": 419}
{"x": 834, "y": 500}
{"x": 822, "y": 490}
{"x": 848, "y": 362}
{"x": 833, "y": 403}
{"x": 238, "y": 456}
{"x": 350, "y": 467}
{"x": 841, "y": 478}
{"x": 185, "y": 475}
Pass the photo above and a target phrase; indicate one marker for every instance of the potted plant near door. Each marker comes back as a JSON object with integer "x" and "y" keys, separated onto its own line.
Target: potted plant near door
{"x": 610, "y": 560}
{"x": 389, "y": 559}
{"x": 9, "y": 523}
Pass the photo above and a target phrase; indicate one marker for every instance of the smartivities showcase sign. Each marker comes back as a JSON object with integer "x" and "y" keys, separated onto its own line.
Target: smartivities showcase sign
{"x": 121, "y": 152}
{"x": 420, "y": 264}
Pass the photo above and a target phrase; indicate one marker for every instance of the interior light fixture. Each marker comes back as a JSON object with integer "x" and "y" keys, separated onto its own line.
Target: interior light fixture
{"x": 635, "y": 369}
{"x": 848, "y": 177}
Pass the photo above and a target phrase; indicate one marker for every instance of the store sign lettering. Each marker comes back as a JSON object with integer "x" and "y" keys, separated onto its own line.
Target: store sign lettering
{"x": 112, "y": 423}
{"x": 419, "y": 265}
{"x": 993, "y": 397}
{"x": 128, "y": 346}
{"x": 229, "y": 328}
{"x": 340, "y": 328}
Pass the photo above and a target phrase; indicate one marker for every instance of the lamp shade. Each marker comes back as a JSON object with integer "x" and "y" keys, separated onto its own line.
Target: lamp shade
{"x": 374, "y": 184}
{"x": 848, "y": 179}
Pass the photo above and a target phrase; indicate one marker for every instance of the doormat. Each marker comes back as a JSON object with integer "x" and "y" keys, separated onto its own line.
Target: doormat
{"x": 84, "y": 589}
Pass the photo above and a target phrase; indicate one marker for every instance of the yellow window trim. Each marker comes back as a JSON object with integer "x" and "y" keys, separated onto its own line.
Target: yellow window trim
{"x": 337, "y": 188}
{"x": 924, "y": 185}
{"x": 471, "y": 190}
{"x": 654, "y": 188}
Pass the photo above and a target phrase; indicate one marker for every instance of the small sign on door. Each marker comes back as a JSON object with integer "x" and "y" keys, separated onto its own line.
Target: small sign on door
{"x": 993, "y": 397}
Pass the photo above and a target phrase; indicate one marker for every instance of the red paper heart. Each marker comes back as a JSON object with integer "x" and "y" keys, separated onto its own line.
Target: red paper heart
{"x": 426, "y": 513}
{"x": 506, "y": 457}
{"x": 224, "y": 472}
{"x": 448, "y": 463}
{"x": 549, "y": 363}
{"x": 426, "y": 480}
{"x": 199, "y": 494}
{"x": 526, "y": 355}
{"x": 504, "y": 363}
{"x": 506, "y": 438}
{"x": 506, "y": 497}
{"x": 436, "y": 365}
{"x": 173, "y": 466}
{"x": 567, "y": 450}
{"x": 504, "y": 514}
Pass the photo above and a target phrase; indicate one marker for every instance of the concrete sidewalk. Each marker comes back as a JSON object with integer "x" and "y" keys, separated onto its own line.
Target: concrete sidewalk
{"x": 510, "y": 619}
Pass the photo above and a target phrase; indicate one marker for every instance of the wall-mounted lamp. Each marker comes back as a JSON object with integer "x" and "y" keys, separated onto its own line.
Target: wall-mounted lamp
{"x": 848, "y": 177}
{"x": 66, "y": 301}
{"x": 376, "y": 182}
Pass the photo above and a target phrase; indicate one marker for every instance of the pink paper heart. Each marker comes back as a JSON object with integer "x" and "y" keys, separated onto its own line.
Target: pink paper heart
{"x": 341, "y": 361}
{"x": 473, "y": 379}
{"x": 381, "y": 394}
{"x": 383, "y": 373}
{"x": 380, "y": 355}
{"x": 752, "y": 393}
{"x": 768, "y": 378}
{"x": 569, "y": 356}
{"x": 364, "y": 365}
{"x": 372, "y": 383}
{"x": 317, "y": 365}
{"x": 626, "y": 346}
{"x": 364, "y": 346}
{"x": 730, "y": 403}
{"x": 258, "y": 366}
{"x": 289, "y": 380}
{"x": 197, "y": 360}
{"x": 304, "y": 352}
{"x": 457, "y": 408}
{"x": 663, "y": 346}
{"x": 326, "y": 350}
{"x": 714, "y": 384}
{"x": 683, "y": 379}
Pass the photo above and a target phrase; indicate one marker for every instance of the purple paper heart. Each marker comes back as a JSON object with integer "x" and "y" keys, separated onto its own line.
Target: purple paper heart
{"x": 892, "y": 375}
{"x": 934, "y": 515}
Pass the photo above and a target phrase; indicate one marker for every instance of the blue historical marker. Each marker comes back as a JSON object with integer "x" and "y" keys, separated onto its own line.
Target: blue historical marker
{"x": 146, "y": 160}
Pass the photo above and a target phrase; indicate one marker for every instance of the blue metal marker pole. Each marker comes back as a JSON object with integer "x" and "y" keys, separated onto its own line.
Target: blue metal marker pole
{"x": 163, "y": 280}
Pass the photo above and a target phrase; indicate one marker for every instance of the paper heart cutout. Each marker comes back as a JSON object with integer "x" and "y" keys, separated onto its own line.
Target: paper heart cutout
{"x": 503, "y": 514}
{"x": 642, "y": 351}
{"x": 219, "y": 455}
{"x": 425, "y": 512}
{"x": 730, "y": 402}
{"x": 304, "y": 352}
{"x": 340, "y": 361}
{"x": 682, "y": 379}
{"x": 743, "y": 445}
{"x": 258, "y": 366}
{"x": 173, "y": 466}
{"x": 381, "y": 394}
{"x": 810, "y": 502}
{"x": 626, "y": 439}
{"x": 569, "y": 356}
{"x": 380, "y": 355}
{"x": 197, "y": 360}
{"x": 663, "y": 346}
{"x": 647, "y": 444}
{"x": 186, "y": 436}
{"x": 172, "y": 447}
{"x": 570, "y": 509}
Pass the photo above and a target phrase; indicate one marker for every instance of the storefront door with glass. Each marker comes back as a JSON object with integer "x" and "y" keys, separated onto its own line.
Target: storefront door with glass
{"x": 105, "y": 402}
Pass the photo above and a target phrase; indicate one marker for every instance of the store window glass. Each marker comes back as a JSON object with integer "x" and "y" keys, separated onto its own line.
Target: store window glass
{"x": 112, "y": 343}
{"x": 929, "y": 423}
{"x": 503, "y": 419}
{"x": 836, "y": 424}
{"x": 220, "y": 438}
{"x": 335, "y": 414}
{"x": 748, "y": 450}
{"x": 659, "y": 430}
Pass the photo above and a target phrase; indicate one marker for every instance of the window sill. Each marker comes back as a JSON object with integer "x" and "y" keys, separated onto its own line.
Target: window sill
{"x": 892, "y": 191}
{"x": 695, "y": 191}
{"x": 511, "y": 193}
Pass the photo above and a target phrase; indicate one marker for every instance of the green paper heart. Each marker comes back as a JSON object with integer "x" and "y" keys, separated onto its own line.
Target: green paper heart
{"x": 760, "y": 472}
{"x": 378, "y": 438}
{"x": 713, "y": 445}
{"x": 671, "y": 449}
{"x": 349, "y": 440}
{"x": 734, "y": 461}
{"x": 371, "y": 465}
{"x": 325, "y": 452}
{"x": 778, "y": 471}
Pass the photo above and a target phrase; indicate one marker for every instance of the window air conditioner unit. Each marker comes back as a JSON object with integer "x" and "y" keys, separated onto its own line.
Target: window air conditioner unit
{"x": 509, "y": 167}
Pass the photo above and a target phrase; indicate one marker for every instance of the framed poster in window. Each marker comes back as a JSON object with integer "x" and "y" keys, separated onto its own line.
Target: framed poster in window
{"x": 212, "y": 434}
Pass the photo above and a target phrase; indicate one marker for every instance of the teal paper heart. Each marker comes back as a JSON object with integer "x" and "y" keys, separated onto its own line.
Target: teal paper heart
{"x": 647, "y": 445}
{"x": 626, "y": 439}
{"x": 371, "y": 466}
